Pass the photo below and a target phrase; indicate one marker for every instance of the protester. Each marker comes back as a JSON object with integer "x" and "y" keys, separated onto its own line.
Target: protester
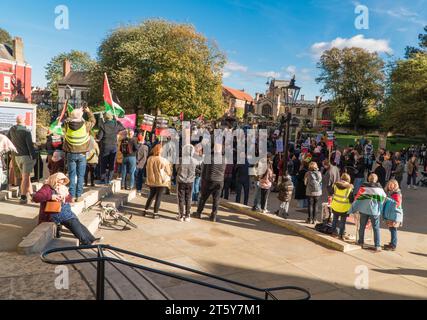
{"x": 76, "y": 145}
{"x": 388, "y": 166}
{"x": 129, "y": 149}
{"x": 369, "y": 203}
{"x": 381, "y": 173}
{"x": 285, "y": 189}
{"x": 399, "y": 171}
{"x": 300, "y": 190}
{"x": 342, "y": 199}
{"x": 412, "y": 168}
{"x": 393, "y": 212}
{"x": 185, "y": 175}
{"x": 141, "y": 161}
{"x": 26, "y": 157}
{"x": 212, "y": 184}
{"x": 107, "y": 138}
{"x": 313, "y": 182}
{"x": 243, "y": 181}
{"x": 330, "y": 177}
{"x": 55, "y": 191}
{"x": 265, "y": 184}
{"x": 359, "y": 177}
{"x": 92, "y": 161}
{"x": 159, "y": 172}
{"x": 228, "y": 181}
{"x": 56, "y": 163}
{"x": 54, "y": 143}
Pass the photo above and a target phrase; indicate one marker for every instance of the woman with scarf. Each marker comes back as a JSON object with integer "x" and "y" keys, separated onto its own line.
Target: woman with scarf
{"x": 55, "y": 191}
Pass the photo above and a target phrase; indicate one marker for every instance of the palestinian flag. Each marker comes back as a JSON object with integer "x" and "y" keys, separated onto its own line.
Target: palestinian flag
{"x": 110, "y": 105}
{"x": 69, "y": 108}
{"x": 56, "y": 128}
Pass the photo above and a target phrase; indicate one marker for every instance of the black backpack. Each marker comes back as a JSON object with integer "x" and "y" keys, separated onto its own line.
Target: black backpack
{"x": 325, "y": 228}
{"x": 126, "y": 147}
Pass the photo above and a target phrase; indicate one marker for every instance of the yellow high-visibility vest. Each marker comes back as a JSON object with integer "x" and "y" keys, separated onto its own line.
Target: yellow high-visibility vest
{"x": 77, "y": 137}
{"x": 340, "y": 200}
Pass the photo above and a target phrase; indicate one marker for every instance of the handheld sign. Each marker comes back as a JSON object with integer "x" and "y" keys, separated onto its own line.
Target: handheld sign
{"x": 147, "y": 123}
{"x": 162, "y": 126}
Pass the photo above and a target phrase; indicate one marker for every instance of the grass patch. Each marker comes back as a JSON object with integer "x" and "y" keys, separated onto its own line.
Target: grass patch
{"x": 393, "y": 143}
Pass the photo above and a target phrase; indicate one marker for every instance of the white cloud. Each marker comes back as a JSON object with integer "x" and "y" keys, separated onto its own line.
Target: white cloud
{"x": 226, "y": 74}
{"x": 359, "y": 41}
{"x": 267, "y": 74}
{"x": 403, "y": 14}
{"x": 236, "y": 67}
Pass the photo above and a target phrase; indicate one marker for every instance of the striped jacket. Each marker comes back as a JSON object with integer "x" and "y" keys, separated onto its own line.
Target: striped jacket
{"x": 370, "y": 200}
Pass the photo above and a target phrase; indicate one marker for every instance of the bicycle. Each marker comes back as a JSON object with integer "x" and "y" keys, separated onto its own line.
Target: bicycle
{"x": 110, "y": 213}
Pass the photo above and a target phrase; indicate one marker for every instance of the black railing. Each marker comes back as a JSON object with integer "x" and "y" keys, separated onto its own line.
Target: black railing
{"x": 101, "y": 259}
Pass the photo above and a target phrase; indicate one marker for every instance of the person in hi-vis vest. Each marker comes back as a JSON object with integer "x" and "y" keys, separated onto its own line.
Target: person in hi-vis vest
{"x": 76, "y": 145}
{"x": 341, "y": 203}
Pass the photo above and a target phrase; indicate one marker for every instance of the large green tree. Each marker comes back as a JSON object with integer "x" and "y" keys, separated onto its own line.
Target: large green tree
{"x": 354, "y": 78}
{"x": 80, "y": 61}
{"x": 406, "y": 107}
{"x": 5, "y": 37}
{"x": 161, "y": 66}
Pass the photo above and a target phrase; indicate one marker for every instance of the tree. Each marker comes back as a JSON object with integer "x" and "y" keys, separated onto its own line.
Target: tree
{"x": 5, "y": 37}
{"x": 80, "y": 61}
{"x": 354, "y": 78}
{"x": 160, "y": 66}
{"x": 406, "y": 103}
{"x": 410, "y": 51}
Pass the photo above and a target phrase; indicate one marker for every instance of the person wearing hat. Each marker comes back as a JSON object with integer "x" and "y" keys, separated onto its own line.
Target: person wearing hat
{"x": 26, "y": 156}
{"x": 77, "y": 145}
{"x": 107, "y": 137}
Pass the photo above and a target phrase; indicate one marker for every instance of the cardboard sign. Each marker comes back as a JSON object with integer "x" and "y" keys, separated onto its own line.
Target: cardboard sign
{"x": 279, "y": 146}
{"x": 148, "y": 123}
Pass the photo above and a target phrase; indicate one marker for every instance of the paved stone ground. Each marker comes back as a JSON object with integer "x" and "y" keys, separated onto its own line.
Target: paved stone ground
{"x": 244, "y": 249}
{"x": 239, "y": 248}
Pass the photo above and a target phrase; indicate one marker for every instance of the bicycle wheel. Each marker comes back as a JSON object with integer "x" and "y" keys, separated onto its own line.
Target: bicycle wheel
{"x": 126, "y": 220}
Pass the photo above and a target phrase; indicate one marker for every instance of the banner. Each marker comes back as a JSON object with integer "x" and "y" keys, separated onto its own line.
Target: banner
{"x": 279, "y": 146}
{"x": 129, "y": 121}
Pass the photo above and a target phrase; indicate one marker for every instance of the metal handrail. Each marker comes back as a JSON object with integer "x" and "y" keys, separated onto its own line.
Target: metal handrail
{"x": 101, "y": 259}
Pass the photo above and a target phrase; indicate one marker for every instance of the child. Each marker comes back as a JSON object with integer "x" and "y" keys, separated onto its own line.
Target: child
{"x": 55, "y": 190}
{"x": 285, "y": 189}
{"x": 393, "y": 212}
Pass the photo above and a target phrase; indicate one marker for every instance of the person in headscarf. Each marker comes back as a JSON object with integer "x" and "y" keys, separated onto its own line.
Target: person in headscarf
{"x": 55, "y": 189}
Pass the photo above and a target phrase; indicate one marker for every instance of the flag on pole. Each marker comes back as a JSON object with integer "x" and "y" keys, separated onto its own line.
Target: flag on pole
{"x": 69, "y": 108}
{"x": 110, "y": 105}
{"x": 56, "y": 128}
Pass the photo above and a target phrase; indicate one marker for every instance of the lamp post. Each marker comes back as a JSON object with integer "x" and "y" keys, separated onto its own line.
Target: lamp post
{"x": 291, "y": 93}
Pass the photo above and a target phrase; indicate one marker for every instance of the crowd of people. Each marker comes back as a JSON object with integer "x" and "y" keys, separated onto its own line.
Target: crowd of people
{"x": 352, "y": 179}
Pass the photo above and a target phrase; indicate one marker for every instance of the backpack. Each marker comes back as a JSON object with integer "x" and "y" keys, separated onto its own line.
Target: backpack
{"x": 315, "y": 185}
{"x": 126, "y": 147}
{"x": 325, "y": 228}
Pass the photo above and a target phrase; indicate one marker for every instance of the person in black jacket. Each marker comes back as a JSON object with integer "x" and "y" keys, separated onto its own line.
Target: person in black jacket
{"x": 212, "y": 184}
{"x": 381, "y": 173}
{"x": 107, "y": 138}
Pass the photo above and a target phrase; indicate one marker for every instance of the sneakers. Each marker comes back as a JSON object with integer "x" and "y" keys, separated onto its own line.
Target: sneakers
{"x": 187, "y": 219}
{"x": 378, "y": 249}
{"x": 197, "y": 215}
{"x": 180, "y": 219}
{"x": 389, "y": 247}
{"x": 308, "y": 221}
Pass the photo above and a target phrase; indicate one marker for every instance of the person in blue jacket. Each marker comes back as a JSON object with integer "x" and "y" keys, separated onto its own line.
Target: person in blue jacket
{"x": 393, "y": 212}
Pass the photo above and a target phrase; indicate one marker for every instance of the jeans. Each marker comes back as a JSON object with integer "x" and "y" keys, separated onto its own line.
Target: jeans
{"x": 196, "y": 189}
{"x": 412, "y": 179}
{"x": 140, "y": 179}
{"x": 76, "y": 163}
{"x": 257, "y": 199}
{"x": 312, "y": 207}
{"x": 210, "y": 188}
{"x": 375, "y": 225}
{"x": 79, "y": 231}
{"x": 339, "y": 221}
{"x": 393, "y": 232}
{"x": 155, "y": 192}
{"x": 357, "y": 184}
{"x": 303, "y": 203}
{"x": 227, "y": 187}
{"x": 245, "y": 185}
{"x": 129, "y": 166}
{"x": 107, "y": 163}
{"x": 184, "y": 199}
{"x": 264, "y": 198}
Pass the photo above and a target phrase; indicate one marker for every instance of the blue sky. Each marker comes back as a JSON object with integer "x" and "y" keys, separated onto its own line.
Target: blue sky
{"x": 260, "y": 38}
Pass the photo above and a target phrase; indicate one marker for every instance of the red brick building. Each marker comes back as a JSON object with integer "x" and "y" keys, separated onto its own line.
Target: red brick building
{"x": 15, "y": 73}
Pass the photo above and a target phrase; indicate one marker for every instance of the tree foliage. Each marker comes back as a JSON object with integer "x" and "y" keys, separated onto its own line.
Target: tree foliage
{"x": 411, "y": 51}
{"x": 80, "y": 61}
{"x": 161, "y": 66}
{"x": 5, "y": 37}
{"x": 406, "y": 104}
{"x": 354, "y": 78}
